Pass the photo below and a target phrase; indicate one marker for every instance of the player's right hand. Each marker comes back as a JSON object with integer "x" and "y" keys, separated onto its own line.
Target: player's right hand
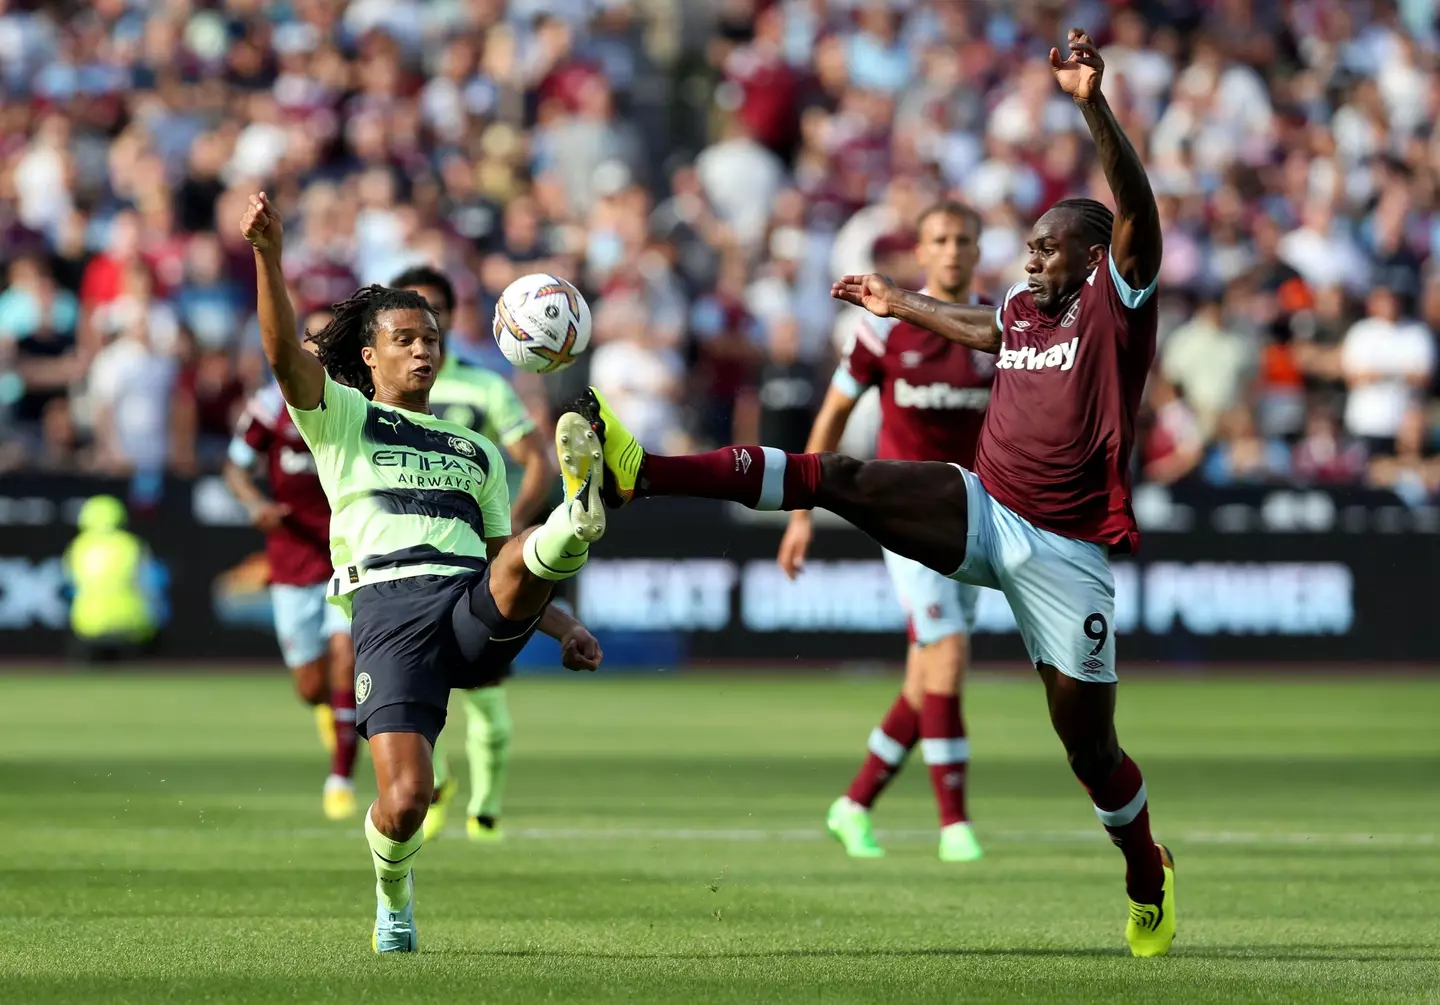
{"x": 269, "y": 516}
{"x": 261, "y": 224}
{"x": 796, "y": 543}
{"x": 876, "y": 293}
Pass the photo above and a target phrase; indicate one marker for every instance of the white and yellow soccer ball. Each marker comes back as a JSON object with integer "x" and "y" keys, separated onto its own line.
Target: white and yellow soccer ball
{"x": 542, "y": 323}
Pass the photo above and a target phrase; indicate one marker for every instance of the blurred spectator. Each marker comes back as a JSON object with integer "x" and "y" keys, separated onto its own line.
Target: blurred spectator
{"x": 788, "y": 391}
{"x": 1209, "y": 364}
{"x": 1325, "y": 456}
{"x": 1411, "y": 469}
{"x": 1386, "y": 362}
{"x": 1173, "y": 446}
{"x": 1242, "y": 456}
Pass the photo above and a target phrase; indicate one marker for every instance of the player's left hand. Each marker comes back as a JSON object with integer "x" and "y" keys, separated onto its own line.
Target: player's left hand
{"x": 1079, "y": 74}
{"x": 579, "y": 650}
{"x": 876, "y": 293}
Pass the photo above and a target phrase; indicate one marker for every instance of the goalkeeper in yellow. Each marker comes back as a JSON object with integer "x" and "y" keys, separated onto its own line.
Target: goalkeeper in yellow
{"x": 439, "y": 593}
{"x": 484, "y": 401}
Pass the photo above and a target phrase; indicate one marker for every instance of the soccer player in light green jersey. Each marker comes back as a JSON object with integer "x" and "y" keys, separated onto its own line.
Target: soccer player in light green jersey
{"x": 440, "y": 594}
{"x": 484, "y": 401}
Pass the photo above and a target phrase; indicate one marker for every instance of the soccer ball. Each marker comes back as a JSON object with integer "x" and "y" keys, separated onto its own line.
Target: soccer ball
{"x": 542, "y": 323}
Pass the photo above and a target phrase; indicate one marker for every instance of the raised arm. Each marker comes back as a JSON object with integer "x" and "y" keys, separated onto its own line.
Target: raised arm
{"x": 301, "y": 377}
{"x": 1135, "y": 243}
{"x": 967, "y": 324}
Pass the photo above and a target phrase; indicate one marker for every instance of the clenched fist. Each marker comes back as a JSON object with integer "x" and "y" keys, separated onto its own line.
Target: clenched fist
{"x": 261, "y": 225}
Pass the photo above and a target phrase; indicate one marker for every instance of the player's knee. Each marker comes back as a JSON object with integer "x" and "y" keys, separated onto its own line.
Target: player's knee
{"x": 943, "y": 664}
{"x": 406, "y": 800}
{"x": 310, "y": 683}
{"x": 839, "y": 472}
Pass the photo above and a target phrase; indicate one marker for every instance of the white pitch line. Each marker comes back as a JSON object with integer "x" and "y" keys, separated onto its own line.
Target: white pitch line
{"x": 757, "y": 834}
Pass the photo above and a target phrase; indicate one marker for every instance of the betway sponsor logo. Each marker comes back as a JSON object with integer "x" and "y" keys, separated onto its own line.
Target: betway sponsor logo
{"x": 1060, "y": 355}
{"x": 941, "y": 395}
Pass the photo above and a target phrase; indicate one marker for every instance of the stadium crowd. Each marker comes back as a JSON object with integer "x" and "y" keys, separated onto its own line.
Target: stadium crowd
{"x": 704, "y": 170}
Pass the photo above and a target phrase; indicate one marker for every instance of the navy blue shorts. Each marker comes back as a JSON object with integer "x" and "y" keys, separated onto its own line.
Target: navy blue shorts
{"x": 417, "y": 638}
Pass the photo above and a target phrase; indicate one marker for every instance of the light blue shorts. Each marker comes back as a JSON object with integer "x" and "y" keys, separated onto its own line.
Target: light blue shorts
{"x": 936, "y": 605}
{"x": 304, "y": 622}
{"x": 1061, "y": 589}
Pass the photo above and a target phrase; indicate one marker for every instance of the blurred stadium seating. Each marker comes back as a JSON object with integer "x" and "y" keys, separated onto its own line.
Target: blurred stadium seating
{"x": 704, "y": 170}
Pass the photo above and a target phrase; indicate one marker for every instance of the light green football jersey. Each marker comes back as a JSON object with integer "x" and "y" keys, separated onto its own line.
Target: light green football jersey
{"x": 410, "y": 494}
{"x": 480, "y": 399}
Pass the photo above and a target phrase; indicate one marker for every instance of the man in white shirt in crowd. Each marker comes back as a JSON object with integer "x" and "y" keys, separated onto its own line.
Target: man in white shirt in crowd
{"x": 1386, "y": 361}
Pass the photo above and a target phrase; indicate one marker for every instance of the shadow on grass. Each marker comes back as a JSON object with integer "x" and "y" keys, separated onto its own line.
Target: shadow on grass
{"x": 1279, "y": 954}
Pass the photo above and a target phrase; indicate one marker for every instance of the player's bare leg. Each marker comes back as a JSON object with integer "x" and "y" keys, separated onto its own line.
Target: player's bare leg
{"x": 943, "y": 743}
{"x": 914, "y": 508}
{"x": 1083, "y": 713}
{"x": 313, "y": 688}
{"x": 339, "y": 794}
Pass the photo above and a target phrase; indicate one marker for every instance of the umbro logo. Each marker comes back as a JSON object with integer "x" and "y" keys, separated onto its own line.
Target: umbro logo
{"x": 1093, "y": 664}
{"x": 1020, "y": 325}
{"x": 742, "y": 460}
{"x": 1147, "y": 916}
{"x": 911, "y": 358}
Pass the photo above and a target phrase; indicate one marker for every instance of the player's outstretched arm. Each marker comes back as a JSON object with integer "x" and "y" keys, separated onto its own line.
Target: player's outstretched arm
{"x": 301, "y": 377}
{"x": 830, "y": 423}
{"x": 964, "y": 323}
{"x": 1135, "y": 243}
{"x": 578, "y": 648}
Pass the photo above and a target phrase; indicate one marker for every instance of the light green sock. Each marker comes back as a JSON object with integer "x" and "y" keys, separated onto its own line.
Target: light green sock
{"x": 393, "y": 861}
{"x": 487, "y": 741}
{"x": 441, "y": 762}
{"x": 553, "y": 551}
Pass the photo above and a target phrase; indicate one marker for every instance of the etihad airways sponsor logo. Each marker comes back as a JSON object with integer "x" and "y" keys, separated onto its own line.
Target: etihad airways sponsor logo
{"x": 1061, "y": 355}
{"x": 939, "y": 395}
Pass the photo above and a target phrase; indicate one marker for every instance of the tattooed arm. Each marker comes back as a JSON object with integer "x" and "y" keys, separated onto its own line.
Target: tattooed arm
{"x": 1135, "y": 244}
{"x": 967, "y": 324}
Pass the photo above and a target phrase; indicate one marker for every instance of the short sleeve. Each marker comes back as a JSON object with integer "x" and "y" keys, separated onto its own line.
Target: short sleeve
{"x": 341, "y": 409}
{"x": 510, "y": 419}
{"x": 495, "y": 496}
{"x": 862, "y": 364}
{"x": 1132, "y": 299}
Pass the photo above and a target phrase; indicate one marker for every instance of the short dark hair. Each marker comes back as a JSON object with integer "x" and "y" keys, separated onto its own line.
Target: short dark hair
{"x": 1096, "y": 221}
{"x": 951, "y": 207}
{"x": 424, "y": 275}
{"x": 354, "y": 326}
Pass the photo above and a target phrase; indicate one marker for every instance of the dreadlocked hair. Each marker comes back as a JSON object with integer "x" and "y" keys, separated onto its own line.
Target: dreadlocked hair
{"x": 1096, "y": 222}
{"x": 353, "y": 327}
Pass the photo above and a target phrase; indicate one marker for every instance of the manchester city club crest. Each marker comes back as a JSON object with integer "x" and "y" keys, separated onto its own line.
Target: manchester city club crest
{"x": 362, "y": 688}
{"x": 462, "y": 446}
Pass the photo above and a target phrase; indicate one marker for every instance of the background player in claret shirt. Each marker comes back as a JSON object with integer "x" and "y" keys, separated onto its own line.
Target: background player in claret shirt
{"x": 440, "y": 594}
{"x": 933, "y": 394}
{"x": 314, "y": 636}
{"x": 484, "y": 401}
{"x": 1049, "y": 499}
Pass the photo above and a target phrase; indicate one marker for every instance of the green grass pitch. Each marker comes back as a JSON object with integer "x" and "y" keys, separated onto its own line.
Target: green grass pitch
{"x": 162, "y": 842}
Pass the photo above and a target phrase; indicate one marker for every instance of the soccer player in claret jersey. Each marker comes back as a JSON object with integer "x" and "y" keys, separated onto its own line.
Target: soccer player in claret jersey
{"x": 484, "y": 401}
{"x": 933, "y": 394}
{"x": 314, "y": 636}
{"x": 1049, "y": 499}
{"x": 439, "y": 593}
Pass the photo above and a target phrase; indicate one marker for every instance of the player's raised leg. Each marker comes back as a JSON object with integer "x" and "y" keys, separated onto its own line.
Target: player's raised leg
{"x": 913, "y": 508}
